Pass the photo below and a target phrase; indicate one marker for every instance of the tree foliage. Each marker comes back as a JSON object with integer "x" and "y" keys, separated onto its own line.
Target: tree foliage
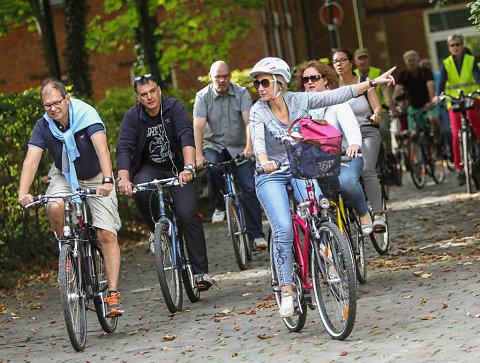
{"x": 188, "y": 31}
{"x": 15, "y": 13}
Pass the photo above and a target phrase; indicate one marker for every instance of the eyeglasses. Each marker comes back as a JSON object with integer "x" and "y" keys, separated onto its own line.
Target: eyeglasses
{"x": 455, "y": 45}
{"x": 148, "y": 75}
{"x": 313, "y": 78}
{"x": 57, "y": 104}
{"x": 340, "y": 61}
{"x": 264, "y": 82}
{"x": 224, "y": 76}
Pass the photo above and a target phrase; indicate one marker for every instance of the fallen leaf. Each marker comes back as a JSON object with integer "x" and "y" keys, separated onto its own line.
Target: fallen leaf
{"x": 265, "y": 336}
{"x": 428, "y": 317}
{"x": 233, "y": 355}
{"x": 166, "y": 349}
{"x": 247, "y": 293}
{"x": 22, "y": 345}
{"x": 425, "y": 275}
{"x": 141, "y": 317}
{"x": 190, "y": 350}
{"x": 342, "y": 354}
{"x": 408, "y": 297}
{"x": 445, "y": 305}
{"x": 169, "y": 337}
{"x": 144, "y": 352}
{"x": 133, "y": 332}
{"x": 424, "y": 301}
{"x": 418, "y": 273}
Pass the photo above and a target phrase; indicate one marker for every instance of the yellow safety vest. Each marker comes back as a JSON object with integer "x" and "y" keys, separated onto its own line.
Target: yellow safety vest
{"x": 373, "y": 72}
{"x": 465, "y": 81}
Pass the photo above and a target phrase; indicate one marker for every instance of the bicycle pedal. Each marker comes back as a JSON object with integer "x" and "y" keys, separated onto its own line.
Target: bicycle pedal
{"x": 380, "y": 230}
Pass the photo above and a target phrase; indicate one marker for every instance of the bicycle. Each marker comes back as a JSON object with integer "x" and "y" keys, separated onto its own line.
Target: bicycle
{"x": 332, "y": 274}
{"x": 170, "y": 258}
{"x": 242, "y": 245}
{"x": 425, "y": 157}
{"x": 469, "y": 145}
{"x": 82, "y": 276}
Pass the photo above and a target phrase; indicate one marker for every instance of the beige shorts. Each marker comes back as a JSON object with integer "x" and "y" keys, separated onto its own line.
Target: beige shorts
{"x": 104, "y": 210}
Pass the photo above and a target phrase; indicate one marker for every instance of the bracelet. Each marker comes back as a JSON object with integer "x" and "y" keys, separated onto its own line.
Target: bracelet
{"x": 378, "y": 114}
{"x": 372, "y": 83}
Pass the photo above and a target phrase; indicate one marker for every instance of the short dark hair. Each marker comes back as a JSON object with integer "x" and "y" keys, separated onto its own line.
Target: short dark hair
{"x": 144, "y": 80}
{"x": 348, "y": 54}
{"x": 55, "y": 84}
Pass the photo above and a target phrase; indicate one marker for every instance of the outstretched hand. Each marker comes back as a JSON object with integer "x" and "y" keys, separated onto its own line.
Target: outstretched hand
{"x": 386, "y": 77}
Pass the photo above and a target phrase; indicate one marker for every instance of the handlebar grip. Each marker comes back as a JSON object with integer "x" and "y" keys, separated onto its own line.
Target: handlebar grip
{"x": 260, "y": 170}
{"x": 90, "y": 191}
{"x": 345, "y": 159}
{"x": 37, "y": 198}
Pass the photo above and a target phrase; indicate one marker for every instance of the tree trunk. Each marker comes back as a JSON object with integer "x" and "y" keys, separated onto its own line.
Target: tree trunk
{"x": 76, "y": 55}
{"x": 43, "y": 14}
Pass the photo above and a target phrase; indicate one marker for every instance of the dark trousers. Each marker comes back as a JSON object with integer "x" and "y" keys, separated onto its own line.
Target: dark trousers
{"x": 246, "y": 180}
{"x": 185, "y": 201}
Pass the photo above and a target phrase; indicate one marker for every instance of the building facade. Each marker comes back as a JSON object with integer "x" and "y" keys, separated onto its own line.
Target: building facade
{"x": 290, "y": 29}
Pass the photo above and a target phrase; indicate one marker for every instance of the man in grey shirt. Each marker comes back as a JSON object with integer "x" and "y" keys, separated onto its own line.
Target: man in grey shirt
{"x": 221, "y": 129}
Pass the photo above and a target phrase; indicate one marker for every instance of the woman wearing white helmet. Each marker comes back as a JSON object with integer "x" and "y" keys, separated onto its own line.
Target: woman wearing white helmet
{"x": 270, "y": 117}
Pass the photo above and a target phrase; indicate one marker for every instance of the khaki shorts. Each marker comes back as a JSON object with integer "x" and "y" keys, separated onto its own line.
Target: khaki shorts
{"x": 104, "y": 210}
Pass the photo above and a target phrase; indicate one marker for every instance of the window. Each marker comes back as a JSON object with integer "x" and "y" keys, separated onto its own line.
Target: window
{"x": 443, "y": 22}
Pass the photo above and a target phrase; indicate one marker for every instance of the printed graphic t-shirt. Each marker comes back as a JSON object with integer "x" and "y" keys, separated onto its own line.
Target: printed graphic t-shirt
{"x": 156, "y": 151}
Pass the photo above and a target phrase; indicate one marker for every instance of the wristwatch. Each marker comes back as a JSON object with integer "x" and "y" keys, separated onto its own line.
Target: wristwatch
{"x": 191, "y": 169}
{"x": 107, "y": 180}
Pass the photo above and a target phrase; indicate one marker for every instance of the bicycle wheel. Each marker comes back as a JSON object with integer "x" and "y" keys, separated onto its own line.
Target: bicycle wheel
{"x": 99, "y": 279}
{"x": 417, "y": 165}
{"x": 476, "y": 164}
{"x": 466, "y": 159}
{"x": 297, "y": 321}
{"x": 238, "y": 236}
{"x": 398, "y": 172}
{"x": 357, "y": 241}
{"x": 381, "y": 237}
{"x": 168, "y": 273}
{"x": 437, "y": 165}
{"x": 333, "y": 278}
{"x": 73, "y": 298}
{"x": 188, "y": 278}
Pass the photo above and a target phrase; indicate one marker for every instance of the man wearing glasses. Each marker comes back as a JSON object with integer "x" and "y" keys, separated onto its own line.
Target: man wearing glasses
{"x": 156, "y": 142}
{"x": 74, "y": 134}
{"x": 459, "y": 71}
{"x": 221, "y": 124}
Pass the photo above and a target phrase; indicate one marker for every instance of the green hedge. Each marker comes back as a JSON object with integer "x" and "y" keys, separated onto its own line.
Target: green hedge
{"x": 24, "y": 234}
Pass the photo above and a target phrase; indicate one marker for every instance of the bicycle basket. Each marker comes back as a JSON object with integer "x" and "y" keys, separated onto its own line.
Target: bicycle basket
{"x": 318, "y": 159}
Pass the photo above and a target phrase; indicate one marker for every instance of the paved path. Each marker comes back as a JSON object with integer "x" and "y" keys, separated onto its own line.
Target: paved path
{"x": 421, "y": 302}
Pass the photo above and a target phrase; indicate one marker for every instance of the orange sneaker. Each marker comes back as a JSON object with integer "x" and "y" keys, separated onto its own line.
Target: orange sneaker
{"x": 114, "y": 307}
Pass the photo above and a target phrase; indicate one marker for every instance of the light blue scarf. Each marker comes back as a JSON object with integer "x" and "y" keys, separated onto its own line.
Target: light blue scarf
{"x": 81, "y": 115}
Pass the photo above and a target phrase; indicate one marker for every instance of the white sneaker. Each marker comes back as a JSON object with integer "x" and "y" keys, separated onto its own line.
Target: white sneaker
{"x": 286, "y": 306}
{"x": 379, "y": 223}
{"x": 218, "y": 216}
{"x": 260, "y": 243}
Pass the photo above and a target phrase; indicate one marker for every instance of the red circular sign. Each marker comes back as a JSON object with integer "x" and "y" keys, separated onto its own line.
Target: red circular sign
{"x": 337, "y": 14}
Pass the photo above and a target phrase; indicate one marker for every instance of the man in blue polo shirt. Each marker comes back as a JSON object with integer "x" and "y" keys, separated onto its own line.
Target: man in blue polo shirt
{"x": 74, "y": 134}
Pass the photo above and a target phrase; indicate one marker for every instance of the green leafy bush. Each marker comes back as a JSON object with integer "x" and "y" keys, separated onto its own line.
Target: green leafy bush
{"x": 24, "y": 234}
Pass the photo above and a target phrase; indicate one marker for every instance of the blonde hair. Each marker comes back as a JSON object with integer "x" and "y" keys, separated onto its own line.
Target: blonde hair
{"x": 282, "y": 81}
{"x": 455, "y": 36}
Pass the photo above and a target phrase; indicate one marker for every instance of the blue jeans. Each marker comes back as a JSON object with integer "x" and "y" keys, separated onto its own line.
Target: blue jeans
{"x": 246, "y": 180}
{"x": 350, "y": 186}
{"x": 273, "y": 196}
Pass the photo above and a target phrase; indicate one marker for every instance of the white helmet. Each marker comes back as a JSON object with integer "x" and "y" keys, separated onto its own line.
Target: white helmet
{"x": 271, "y": 65}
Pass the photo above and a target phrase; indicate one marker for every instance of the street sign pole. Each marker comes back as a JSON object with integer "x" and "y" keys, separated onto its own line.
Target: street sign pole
{"x": 331, "y": 15}
{"x": 332, "y": 28}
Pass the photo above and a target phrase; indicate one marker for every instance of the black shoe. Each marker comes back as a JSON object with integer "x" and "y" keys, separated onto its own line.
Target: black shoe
{"x": 203, "y": 281}
{"x": 461, "y": 178}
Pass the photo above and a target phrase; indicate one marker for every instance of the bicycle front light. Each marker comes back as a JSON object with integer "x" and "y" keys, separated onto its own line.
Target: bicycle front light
{"x": 324, "y": 203}
{"x": 66, "y": 231}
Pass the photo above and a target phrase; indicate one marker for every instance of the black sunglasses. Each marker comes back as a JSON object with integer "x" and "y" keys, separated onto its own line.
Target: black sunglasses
{"x": 313, "y": 78}
{"x": 148, "y": 75}
{"x": 264, "y": 82}
{"x": 455, "y": 45}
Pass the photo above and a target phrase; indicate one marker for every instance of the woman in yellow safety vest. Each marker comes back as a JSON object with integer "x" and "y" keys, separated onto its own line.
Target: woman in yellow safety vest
{"x": 459, "y": 71}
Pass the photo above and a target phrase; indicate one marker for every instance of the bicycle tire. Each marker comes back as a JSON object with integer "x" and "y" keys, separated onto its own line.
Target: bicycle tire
{"x": 239, "y": 237}
{"x": 381, "y": 239}
{"x": 72, "y": 297}
{"x": 188, "y": 278}
{"x": 398, "y": 172}
{"x": 436, "y": 165}
{"x": 336, "y": 297}
{"x": 417, "y": 164}
{"x": 357, "y": 242}
{"x": 476, "y": 164}
{"x": 99, "y": 279}
{"x": 168, "y": 274}
{"x": 297, "y": 321}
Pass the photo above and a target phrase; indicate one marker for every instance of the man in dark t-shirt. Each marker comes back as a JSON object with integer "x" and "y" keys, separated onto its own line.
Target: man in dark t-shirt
{"x": 420, "y": 88}
{"x": 156, "y": 142}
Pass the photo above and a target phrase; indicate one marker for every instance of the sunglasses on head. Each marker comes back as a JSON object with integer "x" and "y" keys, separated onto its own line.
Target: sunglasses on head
{"x": 313, "y": 78}
{"x": 148, "y": 75}
{"x": 264, "y": 82}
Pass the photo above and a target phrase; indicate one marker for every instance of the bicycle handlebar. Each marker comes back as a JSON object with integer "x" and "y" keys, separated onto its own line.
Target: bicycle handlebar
{"x": 167, "y": 182}
{"x": 282, "y": 167}
{"x": 82, "y": 193}
{"x": 238, "y": 157}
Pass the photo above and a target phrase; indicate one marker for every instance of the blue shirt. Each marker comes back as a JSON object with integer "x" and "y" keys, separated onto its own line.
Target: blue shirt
{"x": 87, "y": 165}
